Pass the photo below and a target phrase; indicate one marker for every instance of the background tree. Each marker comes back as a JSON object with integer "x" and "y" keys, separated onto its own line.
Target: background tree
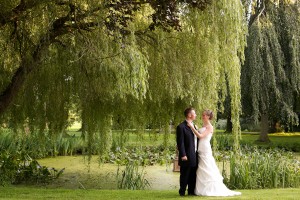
{"x": 271, "y": 73}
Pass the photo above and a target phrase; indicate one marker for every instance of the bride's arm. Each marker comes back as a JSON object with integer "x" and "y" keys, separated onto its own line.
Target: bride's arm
{"x": 208, "y": 130}
{"x": 196, "y": 132}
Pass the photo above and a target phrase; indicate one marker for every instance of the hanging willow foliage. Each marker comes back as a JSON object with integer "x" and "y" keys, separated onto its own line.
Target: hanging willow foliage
{"x": 191, "y": 67}
{"x": 134, "y": 80}
{"x": 271, "y": 74}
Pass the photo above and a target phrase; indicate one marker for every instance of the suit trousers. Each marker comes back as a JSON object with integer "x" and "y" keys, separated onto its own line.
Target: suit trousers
{"x": 187, "y": 178}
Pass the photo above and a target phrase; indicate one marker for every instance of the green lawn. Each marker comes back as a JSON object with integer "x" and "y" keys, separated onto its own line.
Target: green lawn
{"x": 38, "y": 193}
{"x": 274, "y": 137}
{"x": 288, "y": 141}
{"x": 148, "y": 138}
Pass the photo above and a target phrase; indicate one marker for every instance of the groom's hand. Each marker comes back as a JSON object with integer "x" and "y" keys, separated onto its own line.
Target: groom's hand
{"x": 184, "y": 158}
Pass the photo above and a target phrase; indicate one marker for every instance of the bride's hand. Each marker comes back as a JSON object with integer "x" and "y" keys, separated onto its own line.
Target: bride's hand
{"x": 190, "y": 124}
{"x": 196, "y": 127}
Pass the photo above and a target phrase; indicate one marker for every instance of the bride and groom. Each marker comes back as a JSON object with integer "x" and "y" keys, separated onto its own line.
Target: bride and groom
{"x": 198, "y": 169}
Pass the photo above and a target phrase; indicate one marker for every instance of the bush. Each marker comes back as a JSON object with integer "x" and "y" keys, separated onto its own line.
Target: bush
{"x": 20, "y": 168}
{"x": 143, "y": 155}
{"x": 295, "y": 146}
{"x": 249, "y": 125}
{"x": 221, "y": 124}
{"x": 40, "y": 145}
{"x": 224, "y": 141}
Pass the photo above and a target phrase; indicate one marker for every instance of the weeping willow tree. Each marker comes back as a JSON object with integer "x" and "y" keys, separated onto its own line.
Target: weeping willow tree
{"x": 271, "y": 74}
{"x": 117, "y": 62}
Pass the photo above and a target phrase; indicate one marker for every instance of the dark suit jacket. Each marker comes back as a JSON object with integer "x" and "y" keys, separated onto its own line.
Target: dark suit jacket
{"x": 186, "y": 145}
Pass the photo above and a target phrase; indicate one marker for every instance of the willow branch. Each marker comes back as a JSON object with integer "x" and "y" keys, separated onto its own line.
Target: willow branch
{"x": 27, "y": 64}
{"x": 260, "y": 8}
{"x": 14, "y": 14}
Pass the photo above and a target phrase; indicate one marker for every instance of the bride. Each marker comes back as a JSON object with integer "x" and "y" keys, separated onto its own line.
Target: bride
{"x": 209, "y": 181}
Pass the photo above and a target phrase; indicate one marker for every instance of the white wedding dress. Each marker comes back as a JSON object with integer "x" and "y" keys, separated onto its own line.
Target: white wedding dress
{"x": 209, "y": 181}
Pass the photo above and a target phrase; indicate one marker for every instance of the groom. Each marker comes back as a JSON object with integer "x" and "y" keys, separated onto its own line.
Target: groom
{"x": 187, "y": 147}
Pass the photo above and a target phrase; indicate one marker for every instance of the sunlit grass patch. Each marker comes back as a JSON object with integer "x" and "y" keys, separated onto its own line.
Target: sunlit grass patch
{"x": 34, "y": 193}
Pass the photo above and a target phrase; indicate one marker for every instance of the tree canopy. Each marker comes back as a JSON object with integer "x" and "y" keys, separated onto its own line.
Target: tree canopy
{"x": 125, "y": 63}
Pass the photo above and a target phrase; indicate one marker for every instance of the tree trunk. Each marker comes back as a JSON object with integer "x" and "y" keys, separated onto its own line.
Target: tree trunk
{"x": 228, "y": 124}
{"x": 13, "y": 88}
{"x": 264, "y": 128}
{"x": 25, "y": 68}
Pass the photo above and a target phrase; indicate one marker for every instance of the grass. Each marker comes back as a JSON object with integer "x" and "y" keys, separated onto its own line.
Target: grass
{"x": 281, "y": 140}
{"x": 146, "y": 139}
{"x": 288, "y": 141}
{"x": 39, "y": 193}
{"x": 274, "y": 137}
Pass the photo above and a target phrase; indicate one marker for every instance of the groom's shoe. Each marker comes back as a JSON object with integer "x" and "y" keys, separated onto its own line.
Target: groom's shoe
{"x": 181, "y": 193}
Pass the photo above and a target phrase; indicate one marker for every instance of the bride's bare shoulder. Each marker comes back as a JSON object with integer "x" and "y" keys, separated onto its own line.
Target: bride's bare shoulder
{"x": 210, "y": 127}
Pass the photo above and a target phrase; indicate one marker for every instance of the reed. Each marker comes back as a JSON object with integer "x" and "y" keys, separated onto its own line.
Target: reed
{"x": 132, "y": 177}
{"x": 259, "y": 168}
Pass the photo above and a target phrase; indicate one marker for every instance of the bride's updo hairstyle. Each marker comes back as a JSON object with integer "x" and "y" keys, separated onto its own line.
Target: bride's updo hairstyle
{"x": 209, "y": 113}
